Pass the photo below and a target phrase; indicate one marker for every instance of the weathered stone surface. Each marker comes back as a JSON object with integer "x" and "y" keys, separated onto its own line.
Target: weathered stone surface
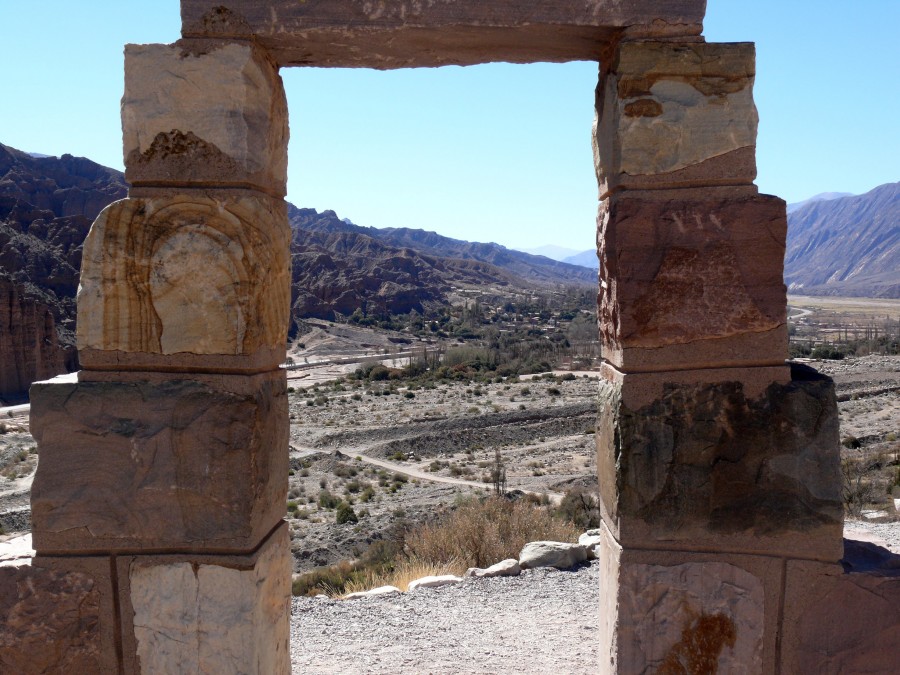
{"x": 842, "y": 622}
{"x": 631, "y": 635}
{"x": 676, "y": 115}
{"x": 504, "y": 568}
{"x": 552, "y": 554}
{"x": 709, "y": 467}
{"x": 209, "y": 115}
{"x": 700, "y": 617}
{"x": 187, "y": 281}
{"x": 159, "y": 462}
{"x": 56, "y": 618}
{"x": 688, "y": 283}
{"x": 408, "y": 33}
{"x": 216, "y": 614}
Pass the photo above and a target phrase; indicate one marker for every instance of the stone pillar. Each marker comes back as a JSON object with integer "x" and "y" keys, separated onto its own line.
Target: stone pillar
{"x": 165, "y": 458}
{"x": 718, "y": 463}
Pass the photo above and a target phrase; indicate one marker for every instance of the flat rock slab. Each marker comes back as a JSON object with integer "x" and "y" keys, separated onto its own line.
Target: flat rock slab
{"x": 186, "y": 281}
{"x": 504, "y": 568}
{"x": 375, "y": 592}
{"x": 434, "y": 581}
{"x": 552, "y": 554}
{"x": 407, "y": 33}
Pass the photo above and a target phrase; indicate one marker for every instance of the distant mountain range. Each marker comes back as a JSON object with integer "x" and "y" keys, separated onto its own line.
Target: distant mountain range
{"x": 568, "y": 256}
{"x": 821, "y": 197}
{"x": 846, "y": 245}
{"x": 47, "y": 205}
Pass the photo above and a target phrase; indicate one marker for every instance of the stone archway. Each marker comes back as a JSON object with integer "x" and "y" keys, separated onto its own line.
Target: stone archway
{"x": 162, "y": 483}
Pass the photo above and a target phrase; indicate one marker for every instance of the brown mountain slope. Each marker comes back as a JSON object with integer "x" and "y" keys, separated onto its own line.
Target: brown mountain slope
{"x": 848, "y": 246}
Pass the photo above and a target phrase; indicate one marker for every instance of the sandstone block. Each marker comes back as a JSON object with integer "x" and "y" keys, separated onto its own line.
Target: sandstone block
{"x": 682, "y": 612}
{"x": 407, "y": 33}
{"x": 698, "y": 617}
{"x": 676, "y": 115}
{"x": 186, "y": 282}
{"x": 692, "y": 283}
{"x": 159, "y": 463}
{"x": 214, "y": 115}
{"x": 712, "y": 466}
{"x": 56, "y": 615}
{"x": 841, "y": 622}
{"x": 208, "y": 614}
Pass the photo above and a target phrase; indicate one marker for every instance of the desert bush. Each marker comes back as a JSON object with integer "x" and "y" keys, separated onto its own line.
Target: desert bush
{"x": 345, "y": 514}
{"x": 858, "y": 488}
{"x": 328, "y": 500}
{"x": 580, "y": 508}
{"x": 851, "y": 442}
{"x": 479, "y": 533}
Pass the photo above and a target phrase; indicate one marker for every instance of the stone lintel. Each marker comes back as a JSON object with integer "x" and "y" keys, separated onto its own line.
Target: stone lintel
{"x": 692, "y": 279}
{"x": 714, "y": 465}
{"x": 159, "y": 462}
{"x": 407, "y": 33}
{"x": 208, "y": 613}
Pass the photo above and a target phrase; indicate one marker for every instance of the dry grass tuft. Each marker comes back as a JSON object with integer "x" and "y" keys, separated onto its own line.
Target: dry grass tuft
{"x": 405, "y": 572}
{"x": 481, "y": 533}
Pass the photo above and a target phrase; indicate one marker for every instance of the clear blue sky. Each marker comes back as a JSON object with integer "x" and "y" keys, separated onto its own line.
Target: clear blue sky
{"x": 486, "y": 153}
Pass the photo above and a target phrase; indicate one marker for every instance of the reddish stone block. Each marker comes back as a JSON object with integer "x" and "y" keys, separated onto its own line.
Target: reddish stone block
{"x": 839, "y": 620}
{"x": 57, "y": 616}
{"x": 692, "y": 282}
{"x": 159, "y": 462}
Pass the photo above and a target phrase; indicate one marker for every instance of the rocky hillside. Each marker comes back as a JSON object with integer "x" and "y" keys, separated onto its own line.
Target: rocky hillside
{"x": 847, "y": 246}
{"x": 47, "y": 205}
{"x": 526, "y": 267}
{"x": 338, "y": 267}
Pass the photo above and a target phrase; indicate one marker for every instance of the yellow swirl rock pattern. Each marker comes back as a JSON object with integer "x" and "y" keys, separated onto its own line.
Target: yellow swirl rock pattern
{"x": 186, "y": 274}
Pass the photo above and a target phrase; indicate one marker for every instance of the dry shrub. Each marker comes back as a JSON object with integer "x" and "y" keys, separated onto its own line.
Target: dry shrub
{"x": 481, "y": 533}
{"x": 404, "y": 572}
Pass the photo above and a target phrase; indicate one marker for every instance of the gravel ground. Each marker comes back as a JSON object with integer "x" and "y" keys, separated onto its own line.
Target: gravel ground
{"x": 544, "y": 621}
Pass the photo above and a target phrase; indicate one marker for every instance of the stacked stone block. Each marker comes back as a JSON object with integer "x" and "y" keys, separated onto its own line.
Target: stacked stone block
{"x": 718, "y": 463}
{"x": 164, "y": 467}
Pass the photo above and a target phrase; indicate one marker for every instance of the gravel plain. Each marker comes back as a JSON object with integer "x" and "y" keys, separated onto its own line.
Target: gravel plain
{"x": 543, "y": 621}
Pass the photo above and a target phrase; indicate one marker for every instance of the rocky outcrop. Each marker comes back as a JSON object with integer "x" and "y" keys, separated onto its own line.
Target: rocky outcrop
{"x": 46, "y": 208}
{"x": 29, "y": 349}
